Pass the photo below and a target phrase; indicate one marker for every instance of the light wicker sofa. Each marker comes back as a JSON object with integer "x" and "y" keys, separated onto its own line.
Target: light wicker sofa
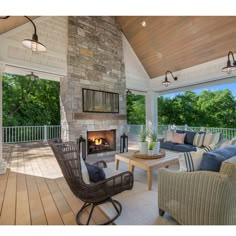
{"x": 201, "y": 197}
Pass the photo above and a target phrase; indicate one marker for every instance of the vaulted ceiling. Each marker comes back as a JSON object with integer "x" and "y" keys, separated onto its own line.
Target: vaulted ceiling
{"x": 178, "y": 42}
{"x": 169, "y": 42}
{"x": 13, "y": 22}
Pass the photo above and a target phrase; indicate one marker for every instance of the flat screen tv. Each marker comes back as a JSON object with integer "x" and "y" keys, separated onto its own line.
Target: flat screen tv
{"x": 100, "y": 101}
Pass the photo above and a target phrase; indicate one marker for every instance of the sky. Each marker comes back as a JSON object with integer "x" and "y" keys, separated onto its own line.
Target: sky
{"x": 231, "y": 87}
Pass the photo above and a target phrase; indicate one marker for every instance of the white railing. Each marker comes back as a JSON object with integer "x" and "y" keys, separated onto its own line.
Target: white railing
{"x": 227, "y": 133}
{"x": 133, "y": 131}
{"x": 19, "y": 134}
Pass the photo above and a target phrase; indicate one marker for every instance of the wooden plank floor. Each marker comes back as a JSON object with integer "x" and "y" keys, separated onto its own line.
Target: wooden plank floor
{"x": 34, "y": 192}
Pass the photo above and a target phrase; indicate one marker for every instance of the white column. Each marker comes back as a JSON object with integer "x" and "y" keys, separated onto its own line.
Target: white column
{"x": 151, "y": 110}
{"x": 2, "y": 163}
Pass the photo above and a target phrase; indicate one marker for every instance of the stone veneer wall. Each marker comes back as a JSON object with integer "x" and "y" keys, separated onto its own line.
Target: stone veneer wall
{"x": 95, "y": 61}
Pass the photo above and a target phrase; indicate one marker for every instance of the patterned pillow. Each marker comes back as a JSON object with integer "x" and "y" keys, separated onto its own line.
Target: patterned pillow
{"x": 198, "y": 139}
{"x": 168, "y": 135}
{"x": 233, "y": 141}
{"x": 211, "y": 139}
{"x": 178, "y": 138}
{"x": 190, "y": 161}
{"x": 209, "y": 148}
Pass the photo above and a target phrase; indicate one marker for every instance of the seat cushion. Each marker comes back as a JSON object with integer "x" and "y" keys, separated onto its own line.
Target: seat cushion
{"x": 183, "y": 148}
{"x": 212, "y": 161}
{"x": 96, "y": 174}
{"x": 167, "y": 145}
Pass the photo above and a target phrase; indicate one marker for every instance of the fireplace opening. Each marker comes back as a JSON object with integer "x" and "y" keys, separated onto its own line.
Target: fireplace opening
{"x": 101, "y": 141}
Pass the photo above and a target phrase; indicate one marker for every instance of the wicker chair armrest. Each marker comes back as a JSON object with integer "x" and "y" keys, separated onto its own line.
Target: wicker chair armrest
{"x": 101, "y": 164}
{"x": 228, "y": 167}
{"x": 109, "y": 187}
{"x": 194, "y": 197}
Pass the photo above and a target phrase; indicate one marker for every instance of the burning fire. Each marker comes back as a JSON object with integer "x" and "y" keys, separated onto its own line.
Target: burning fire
{"x": 98, "y": 141}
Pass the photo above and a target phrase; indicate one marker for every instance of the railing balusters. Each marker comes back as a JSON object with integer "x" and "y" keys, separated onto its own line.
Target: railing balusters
{"x": 19, "y": 134}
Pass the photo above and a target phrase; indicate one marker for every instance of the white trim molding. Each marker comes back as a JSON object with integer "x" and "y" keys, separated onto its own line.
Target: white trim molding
{"x": 2, "y": 162}
{"x": 198, "y": 76}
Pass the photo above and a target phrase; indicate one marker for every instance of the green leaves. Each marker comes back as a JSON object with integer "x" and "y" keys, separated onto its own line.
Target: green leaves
{"x": 209, "y": 109}
{"x": 30, "y": 102}
{"x": 136, "y": 109}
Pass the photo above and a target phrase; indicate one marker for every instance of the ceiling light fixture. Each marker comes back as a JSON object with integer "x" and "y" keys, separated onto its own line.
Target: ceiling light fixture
{"x": 144, "y": 24}
{"x": 33, "y": 43}
{"x": 229, "y": 68}
{"x": 32, "y": 76}
{"x": 166, "y": 82}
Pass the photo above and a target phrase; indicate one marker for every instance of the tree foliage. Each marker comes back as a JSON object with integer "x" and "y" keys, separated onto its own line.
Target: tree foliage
{"x": 30, "y": 102}
{"x": 136, "y": 109}
{"x": 209, "y": 109}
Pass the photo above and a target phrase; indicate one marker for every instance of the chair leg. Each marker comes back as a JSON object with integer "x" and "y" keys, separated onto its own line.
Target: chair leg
{"x": 115, "y": 204}
{"x": 161, "y": 212}
{"x": 90, "y": 214}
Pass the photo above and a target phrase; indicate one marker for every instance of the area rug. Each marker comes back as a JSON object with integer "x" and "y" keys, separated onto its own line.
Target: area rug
{"x": 139, "y": 206}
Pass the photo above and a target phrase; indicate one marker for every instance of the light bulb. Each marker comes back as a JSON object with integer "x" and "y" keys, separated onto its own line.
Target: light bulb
{"x": 229, "y": 70}
{"x": 34, "y": 46}
{"x": 144, "y": 23}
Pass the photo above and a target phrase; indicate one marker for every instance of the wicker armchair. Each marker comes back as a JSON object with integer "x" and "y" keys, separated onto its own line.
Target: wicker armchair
{"x": 67, "y": 155}
{"x": 201, "y": 197}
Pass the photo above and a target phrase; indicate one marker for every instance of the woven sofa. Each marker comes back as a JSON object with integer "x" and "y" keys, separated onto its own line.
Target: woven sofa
{"x": 200, "y": 197}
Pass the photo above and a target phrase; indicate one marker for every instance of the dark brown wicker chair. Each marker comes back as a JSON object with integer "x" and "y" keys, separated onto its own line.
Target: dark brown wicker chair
{"x": 94, "y": 194}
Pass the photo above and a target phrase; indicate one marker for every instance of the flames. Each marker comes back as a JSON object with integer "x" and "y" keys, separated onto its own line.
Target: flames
{"x": 97, "y": 141}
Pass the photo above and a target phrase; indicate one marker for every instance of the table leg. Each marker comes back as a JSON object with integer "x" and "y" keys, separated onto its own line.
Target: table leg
{"x": 131, "y": 168}
{"x": 149, "y": 176}
{"x": 117, "y": 163}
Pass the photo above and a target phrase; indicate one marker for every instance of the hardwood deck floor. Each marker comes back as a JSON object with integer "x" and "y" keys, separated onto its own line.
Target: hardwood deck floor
{"x": 34, "y": 192}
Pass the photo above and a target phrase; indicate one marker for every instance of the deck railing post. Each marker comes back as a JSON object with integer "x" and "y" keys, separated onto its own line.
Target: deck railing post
{"x": 45, "y": 139}
{"x": 185, "y": 127}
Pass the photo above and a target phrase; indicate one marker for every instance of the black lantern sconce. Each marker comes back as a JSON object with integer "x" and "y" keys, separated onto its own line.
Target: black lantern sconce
{"x": 82, "y": 147}
{"x": 123, "y": 143}
{"x": 166, "y": 82}
{"x": 230, "y": 67}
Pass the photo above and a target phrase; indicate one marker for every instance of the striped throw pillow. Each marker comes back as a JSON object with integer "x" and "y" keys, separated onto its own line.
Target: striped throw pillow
{"x": 198, "y": 139}
{"x": 190, "y": 161}
{"x": 211, "y": 139}
{"x": 209, "y": 148}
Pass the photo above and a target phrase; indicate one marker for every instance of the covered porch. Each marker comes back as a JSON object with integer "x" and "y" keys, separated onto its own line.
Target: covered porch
{"x": 33, "y": 190}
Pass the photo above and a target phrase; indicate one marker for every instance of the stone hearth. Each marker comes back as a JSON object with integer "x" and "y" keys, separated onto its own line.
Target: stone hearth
{"x": 95, "y": 61}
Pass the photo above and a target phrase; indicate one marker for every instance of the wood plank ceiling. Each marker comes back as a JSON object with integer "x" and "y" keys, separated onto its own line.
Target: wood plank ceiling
{"x": 178, "y": 42}
{"x": 13, "y": 22}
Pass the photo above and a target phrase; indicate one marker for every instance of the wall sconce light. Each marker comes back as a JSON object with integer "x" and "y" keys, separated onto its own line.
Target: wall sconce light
{"x": 32, "y": 76}
{"x": 229, "y": 68}
{"x": 33, "y": 43}
{"x": 128, "y": 92}
{"x": 166, "y": 82}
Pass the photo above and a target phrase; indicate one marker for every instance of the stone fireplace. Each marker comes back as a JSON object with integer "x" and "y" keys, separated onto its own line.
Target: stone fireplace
{"x": 95, "y": 62}
{"x": 101, "y": 141}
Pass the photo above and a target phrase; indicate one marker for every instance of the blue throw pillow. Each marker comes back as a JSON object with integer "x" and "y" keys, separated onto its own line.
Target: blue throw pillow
{"x": 211, "y": 161}
{"x": 96, "y": 174}
{"x": 189, "y": 137}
